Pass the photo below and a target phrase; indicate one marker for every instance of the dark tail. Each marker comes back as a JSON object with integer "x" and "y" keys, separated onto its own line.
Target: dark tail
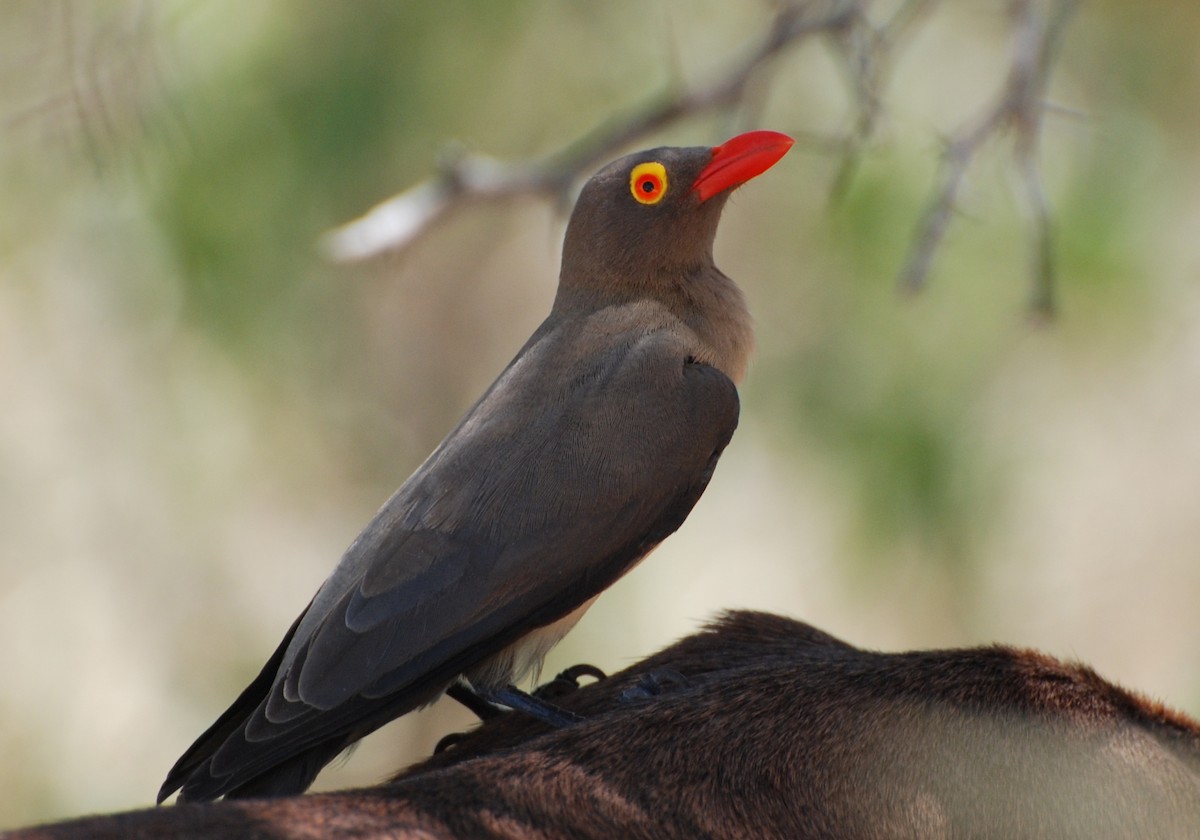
{"x": 191, "y": 770}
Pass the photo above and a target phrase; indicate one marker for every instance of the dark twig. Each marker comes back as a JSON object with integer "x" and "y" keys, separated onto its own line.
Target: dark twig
{"x": 1044, "y": 36}
{"x": 1019, "y": 108}
{"x": 867, "y": 52}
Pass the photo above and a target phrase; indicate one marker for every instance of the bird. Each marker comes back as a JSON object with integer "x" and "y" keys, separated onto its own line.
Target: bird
{"x": 590, "y": 448}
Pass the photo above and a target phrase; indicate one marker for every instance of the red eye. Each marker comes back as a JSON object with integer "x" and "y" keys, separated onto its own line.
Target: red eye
{"x": 648, "y": 182}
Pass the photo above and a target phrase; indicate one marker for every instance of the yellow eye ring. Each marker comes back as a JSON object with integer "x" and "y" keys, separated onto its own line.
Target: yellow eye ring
{"x": 648, "y": 182}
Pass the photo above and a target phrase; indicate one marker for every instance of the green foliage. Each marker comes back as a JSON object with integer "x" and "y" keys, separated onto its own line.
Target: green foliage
{"x": 332, "y": 111}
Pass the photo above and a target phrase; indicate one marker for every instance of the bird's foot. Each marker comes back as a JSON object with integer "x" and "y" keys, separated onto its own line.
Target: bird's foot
{"x": 529, "y": 705}
{"x": 490, "y": 703}
{"x": 653, "y": 684}
{"x": 567, "y": 682}
{"x": 479, "y": 706}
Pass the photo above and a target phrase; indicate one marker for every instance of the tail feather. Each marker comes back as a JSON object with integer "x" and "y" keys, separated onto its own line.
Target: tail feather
{"x": 288, "y": 778}
{"x": 200, "y": 753}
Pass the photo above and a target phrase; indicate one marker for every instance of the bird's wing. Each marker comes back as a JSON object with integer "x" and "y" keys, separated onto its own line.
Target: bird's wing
{"x": 557, "y": 481}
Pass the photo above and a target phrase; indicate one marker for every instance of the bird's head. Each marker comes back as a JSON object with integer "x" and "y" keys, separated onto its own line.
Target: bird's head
{"x": 651, "y": 216}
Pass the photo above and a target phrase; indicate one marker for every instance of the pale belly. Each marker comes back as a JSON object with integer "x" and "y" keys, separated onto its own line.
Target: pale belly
{"x": 525, "y": 655}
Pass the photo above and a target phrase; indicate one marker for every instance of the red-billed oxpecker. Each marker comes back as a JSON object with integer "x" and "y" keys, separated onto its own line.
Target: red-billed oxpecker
{"x": 590, "y": 448}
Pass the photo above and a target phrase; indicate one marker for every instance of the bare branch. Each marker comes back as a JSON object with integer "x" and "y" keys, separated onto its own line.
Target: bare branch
{"x": 867, "y": 51}
{"x": 1018, "y": 108}
{"x": 1042, "y": 37}
{"x": 465, "y": 179}
{"x": 462, "y": 179}
{"x": 960, "y": 151}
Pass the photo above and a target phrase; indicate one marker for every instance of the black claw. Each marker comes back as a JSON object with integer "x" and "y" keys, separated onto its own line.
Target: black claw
{"x": 567, "y": 682}
{"x": 448, "y": 741}
{"x": 582, "y": 670}
{"x": 654, "y": 684}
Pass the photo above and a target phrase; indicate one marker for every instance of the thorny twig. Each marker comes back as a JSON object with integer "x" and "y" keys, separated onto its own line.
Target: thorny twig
{"x": 867, "y": 50}
{"x": 1019, "y": 107}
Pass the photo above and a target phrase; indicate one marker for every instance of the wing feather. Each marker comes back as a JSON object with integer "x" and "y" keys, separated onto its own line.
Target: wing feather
{"x": 554, "y": 484}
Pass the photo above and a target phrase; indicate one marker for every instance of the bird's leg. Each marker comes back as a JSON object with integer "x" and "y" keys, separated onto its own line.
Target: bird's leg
{"x": 483, "y": 709}
{"x": 529, "y": 705}
{"x": 479, "y": 706}
{"x": 567, "y": 681}
{"x": 485, "y": 703}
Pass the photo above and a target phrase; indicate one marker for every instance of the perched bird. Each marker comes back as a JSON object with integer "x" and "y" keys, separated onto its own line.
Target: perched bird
{"x": 590, "y": 448}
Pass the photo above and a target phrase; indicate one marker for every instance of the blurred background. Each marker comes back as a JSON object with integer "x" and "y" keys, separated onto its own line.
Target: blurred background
{"x": 199, "y": 411}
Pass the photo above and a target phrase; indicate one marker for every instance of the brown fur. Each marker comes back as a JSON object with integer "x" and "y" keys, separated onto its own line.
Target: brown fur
{"x": 778, "y": 730}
